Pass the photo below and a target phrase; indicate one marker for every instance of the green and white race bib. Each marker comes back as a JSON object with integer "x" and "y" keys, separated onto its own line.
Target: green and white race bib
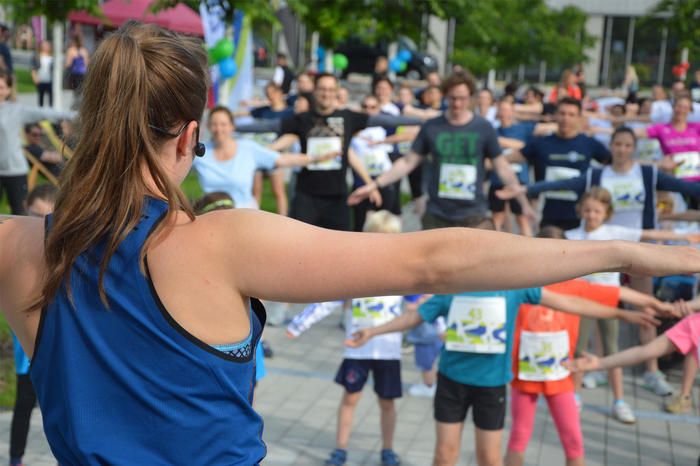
{"x": 457, "y": 181}
{"x": 476, "y": 325}
{"x": 541, "y": 354}
{"x": 561, "y": 173}
{"x": 690, "y": 167}
{"x": 317, "y": 146}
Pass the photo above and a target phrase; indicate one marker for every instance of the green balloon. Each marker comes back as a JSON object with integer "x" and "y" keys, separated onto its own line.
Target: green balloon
{"x": 225, "y": 47}
{"x": 340, "y": 61}
{"x": 403, "y": 67}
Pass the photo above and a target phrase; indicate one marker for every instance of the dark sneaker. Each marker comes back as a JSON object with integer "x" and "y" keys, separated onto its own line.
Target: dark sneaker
{"x": 338, "y": 457}
{"x": 389, "y": 457}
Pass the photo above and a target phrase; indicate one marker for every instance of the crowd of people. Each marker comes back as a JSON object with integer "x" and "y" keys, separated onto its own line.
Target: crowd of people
{"x": 112, "y": 306}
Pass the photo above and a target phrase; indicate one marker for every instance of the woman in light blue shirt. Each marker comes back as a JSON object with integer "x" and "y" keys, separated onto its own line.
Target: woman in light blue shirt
{"x": 229, "y": 164}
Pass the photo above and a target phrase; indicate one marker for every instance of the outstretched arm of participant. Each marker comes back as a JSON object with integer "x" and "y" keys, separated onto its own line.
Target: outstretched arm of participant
{"x": 669, "y": 235}
{"x": 311, "y": 314}
{"x": 690, "y": 215}
{"x": 643, "y": 300}
{"x": 660, "y": 346}
{"x": 401, "y": 167}
{"x": 668, "y": 183}
{"x": 283, "y": 142}
{"x": 290, "y": 159}
{"x": 515, "y": 157}
{"x": 354, "y": 161}
{"x": 408, "y": 135}
{"x": 587, "y": 308}
{"x": 409, "y": 319}
{"x": 261, "y": 126}
{"x": 508, "y": 177}
{"x": 297, "y": 262}
{"x": 392, "y": 121}
{"x": 577, "y": 184}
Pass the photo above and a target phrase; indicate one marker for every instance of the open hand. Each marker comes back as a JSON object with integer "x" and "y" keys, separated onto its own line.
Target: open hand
{"x": 361, "y": 193}
{"x": 644, "y": 318}
{"x": 588, "y": 362}
{"x": 359, "y": 338}
{"x": 510, "y": 192}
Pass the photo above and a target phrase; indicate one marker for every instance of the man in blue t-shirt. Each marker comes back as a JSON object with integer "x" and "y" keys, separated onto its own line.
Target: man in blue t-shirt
{"x": 476, "y": 362}
{"x": 565, "y": 154}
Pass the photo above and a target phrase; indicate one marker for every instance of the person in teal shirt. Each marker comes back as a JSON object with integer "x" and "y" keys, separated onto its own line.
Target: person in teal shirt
{"x": 476, "y": 361}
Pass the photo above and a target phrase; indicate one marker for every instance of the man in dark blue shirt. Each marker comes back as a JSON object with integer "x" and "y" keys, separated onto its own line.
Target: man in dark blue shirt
{"x": 4, "y": 48}
{"x": 565, "y": 154}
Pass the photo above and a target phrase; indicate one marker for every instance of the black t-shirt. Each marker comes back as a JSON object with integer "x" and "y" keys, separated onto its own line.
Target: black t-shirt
{"x": 36, "y": 151}
{"x": 454, "y": 168}
{"x": 321, "y": 134}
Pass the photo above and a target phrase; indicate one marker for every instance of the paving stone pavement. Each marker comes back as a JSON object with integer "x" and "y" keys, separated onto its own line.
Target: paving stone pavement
{"x": 298, "y": 401}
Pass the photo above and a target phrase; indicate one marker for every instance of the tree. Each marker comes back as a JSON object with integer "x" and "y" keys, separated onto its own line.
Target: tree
{"x": 503, "y": 34}
{"x": 54, "y": 10}
{"x": 683, "y": 22}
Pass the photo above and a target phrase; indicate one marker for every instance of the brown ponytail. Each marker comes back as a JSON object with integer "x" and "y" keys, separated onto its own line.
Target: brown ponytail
{"x": 140, "y": 75}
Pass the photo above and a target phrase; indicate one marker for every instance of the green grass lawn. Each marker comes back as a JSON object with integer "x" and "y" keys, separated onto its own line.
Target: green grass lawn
{"x": 24, "y": 80}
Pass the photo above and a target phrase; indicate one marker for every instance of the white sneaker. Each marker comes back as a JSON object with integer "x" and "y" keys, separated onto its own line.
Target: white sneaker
{"x": 594, "y": 379}
{"x": 421, "y": 389}
{"x": 656, "y": 382}
{"x": 623, "y": 413}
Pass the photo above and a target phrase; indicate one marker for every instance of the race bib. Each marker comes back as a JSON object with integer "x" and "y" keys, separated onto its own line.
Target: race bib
{"x": 457, "y": 181}
{"x": 370, "y": 312}
{"x": 317, "y": 146}
{"x": 375, "y": 161}
{"x": 627, "y": 193}
{"x": 690, "y": 167}
{"x": 403, "y": 147}
{"x": 541, "y": 354}
{"x": 649, "y": 149}
{"x": 561, "y": 173}
{"x": 476, "y": 325}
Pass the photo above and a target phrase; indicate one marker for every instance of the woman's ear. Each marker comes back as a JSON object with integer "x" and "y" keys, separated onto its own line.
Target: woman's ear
{"x": 186, "y": 142}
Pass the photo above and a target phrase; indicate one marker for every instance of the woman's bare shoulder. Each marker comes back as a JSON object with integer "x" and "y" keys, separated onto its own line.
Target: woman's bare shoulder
{"x": 21, "y": 240}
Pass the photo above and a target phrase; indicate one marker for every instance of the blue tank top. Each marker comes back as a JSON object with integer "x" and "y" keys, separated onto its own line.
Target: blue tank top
{"x": 128, "y": 385}
{"x": 77, "y": 66}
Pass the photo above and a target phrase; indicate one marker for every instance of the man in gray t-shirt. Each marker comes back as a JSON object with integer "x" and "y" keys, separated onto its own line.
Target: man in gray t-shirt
{"x": 454, "y": 147}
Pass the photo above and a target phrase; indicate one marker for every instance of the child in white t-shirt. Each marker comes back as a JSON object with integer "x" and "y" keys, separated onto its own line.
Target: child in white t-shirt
{"x": 595, "y": 209}
{"x": 381, "y": 355}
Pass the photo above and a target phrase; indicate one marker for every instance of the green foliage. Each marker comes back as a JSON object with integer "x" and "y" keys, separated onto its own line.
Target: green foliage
{"x": 502, "y": 34}
{"x": 23, "y": 81}
{"x": 682, "y": 19}
{"x": 54, "y": 10}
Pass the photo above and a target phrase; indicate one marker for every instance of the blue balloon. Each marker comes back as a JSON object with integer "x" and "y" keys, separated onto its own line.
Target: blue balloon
{"x": 227, "y": 67}
{"x": 320, "y": 52}
{"x": 396, "y": 65}
{"x": 405, "y": 55}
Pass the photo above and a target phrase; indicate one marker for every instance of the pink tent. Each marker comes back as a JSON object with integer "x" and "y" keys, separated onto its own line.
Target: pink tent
{"x": 180, "y": 18}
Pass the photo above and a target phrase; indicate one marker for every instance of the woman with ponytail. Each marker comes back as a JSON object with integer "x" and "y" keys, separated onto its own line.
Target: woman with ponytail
{"x": 139, "y": 318}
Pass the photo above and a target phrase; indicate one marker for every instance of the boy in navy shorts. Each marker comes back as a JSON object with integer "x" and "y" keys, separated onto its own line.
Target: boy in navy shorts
{"x": 381, "y": 355}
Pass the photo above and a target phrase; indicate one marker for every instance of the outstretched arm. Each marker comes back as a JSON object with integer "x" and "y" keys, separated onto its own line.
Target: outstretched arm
{"x": 656, "y": 348}
{"x": 642, "y": 300}
{"x": 311, "y": 314}
{"x": 311, "y": 264}
{"x": 409, "y": 319}
{"x": 401, "y": 167}
{"x": 587, "y": 308}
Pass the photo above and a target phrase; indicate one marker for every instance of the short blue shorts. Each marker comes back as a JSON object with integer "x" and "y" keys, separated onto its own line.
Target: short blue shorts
{"x": 353, "y": 374}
